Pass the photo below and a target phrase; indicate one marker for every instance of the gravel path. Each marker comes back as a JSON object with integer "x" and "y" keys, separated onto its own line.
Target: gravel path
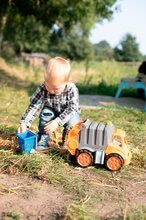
{"x": 95, "y": 101}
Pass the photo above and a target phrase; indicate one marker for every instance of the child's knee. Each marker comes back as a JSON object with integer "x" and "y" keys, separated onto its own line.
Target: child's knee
{"x": 73, "y": 121}
{"x": 46, "y": 115}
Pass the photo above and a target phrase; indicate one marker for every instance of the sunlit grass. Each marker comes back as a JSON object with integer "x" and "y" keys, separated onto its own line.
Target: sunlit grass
{"x": 55, "y": 167}
{"x": 15, "y": 97}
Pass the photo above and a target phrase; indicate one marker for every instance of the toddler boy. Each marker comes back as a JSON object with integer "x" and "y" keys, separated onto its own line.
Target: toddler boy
{"x": 58, "y": 100}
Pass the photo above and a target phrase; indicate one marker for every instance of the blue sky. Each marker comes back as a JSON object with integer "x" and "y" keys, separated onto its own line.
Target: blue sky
{"x": 131, "y": 18}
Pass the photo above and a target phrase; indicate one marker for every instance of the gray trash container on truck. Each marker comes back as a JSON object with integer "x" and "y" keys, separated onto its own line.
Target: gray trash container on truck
{"x": 95, "y": 137}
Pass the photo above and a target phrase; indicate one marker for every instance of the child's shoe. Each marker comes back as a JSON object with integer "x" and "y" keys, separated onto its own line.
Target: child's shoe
{"x": 42, "y": 148}
{"x": 43, "y": 143}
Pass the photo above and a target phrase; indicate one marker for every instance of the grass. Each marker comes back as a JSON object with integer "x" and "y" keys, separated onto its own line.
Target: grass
{"x": 17, "y": 84}
{"x": 11, "y": 216}
{"x": 103, "y": 78}
{"x": 137, "y": 213}
{"x": 51, "y": 168}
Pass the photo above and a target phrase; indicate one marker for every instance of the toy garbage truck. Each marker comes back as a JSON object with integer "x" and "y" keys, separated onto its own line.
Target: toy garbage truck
{"x": 98, "y": 143}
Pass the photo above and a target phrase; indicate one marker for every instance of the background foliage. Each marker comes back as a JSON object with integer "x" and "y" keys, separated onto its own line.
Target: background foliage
{"x": 60, "y": 27}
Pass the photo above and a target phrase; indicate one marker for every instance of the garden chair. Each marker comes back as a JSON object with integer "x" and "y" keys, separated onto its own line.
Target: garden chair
{"x": 131, "y": 83}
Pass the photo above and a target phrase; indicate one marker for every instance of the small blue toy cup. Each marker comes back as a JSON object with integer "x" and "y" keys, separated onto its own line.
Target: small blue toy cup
{"x": 27, "y": 141}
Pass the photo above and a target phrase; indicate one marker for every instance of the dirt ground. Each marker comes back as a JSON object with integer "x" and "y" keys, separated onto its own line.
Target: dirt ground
{"x": 33, "y": 199}
{"x": 134, "y": 197}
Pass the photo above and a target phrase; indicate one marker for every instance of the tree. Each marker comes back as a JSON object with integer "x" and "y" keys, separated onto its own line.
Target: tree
{"x": 64, "y": 13}
{"x": 28, "y": 35}
{"x": 128, "y": 50}
{"x": 103, "y": 51}
{"x": 74, "y": 45}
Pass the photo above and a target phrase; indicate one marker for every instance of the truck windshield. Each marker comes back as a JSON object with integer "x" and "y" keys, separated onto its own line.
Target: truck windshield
{"x": 117, "y": 139}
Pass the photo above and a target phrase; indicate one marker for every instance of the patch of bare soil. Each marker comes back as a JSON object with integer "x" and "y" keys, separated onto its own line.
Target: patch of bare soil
{"x": 109, "y": 198}
{"x": 31, "y": 199}
{"x": 131, "y": 196}
{"x": 116, "y": 195}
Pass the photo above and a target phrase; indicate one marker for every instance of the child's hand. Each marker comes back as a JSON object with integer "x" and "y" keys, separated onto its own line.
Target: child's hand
{"x": 51, "y": 126}
{"x": 22, "y": 128}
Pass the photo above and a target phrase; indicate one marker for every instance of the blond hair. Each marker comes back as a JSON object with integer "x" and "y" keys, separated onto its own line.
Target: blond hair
{"x": 57, "y": 68}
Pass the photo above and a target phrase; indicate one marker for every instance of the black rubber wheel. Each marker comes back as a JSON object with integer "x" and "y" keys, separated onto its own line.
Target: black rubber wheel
{"x": 84, "y": 158}
{"x": 72, "y": 159}
{"x": 113, "y": 162}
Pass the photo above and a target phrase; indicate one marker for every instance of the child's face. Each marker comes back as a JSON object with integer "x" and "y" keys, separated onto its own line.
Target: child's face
{"x": 55, "y": 88}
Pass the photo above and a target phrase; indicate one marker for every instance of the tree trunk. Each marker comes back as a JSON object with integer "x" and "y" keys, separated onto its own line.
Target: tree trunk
{"x": 1, "y": 42}
{"x": 3, "y": 21}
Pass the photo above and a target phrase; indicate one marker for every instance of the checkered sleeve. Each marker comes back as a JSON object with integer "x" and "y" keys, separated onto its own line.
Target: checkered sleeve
{"x": 34, "y": 106}
{"x": 72, "y": 106}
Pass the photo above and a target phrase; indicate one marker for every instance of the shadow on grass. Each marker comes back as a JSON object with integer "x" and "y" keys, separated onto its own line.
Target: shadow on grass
{"x": 11, "y": 81}
{"x": 18, "y": 84}
{"x": 8, "y": 140}
{"x": 103, "y": 89}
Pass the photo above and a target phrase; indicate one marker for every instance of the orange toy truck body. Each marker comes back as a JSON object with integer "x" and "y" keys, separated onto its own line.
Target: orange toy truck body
{"x": 98, "y": 143}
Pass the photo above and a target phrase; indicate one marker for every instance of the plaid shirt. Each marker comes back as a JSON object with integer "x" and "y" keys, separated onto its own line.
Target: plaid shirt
{"x": 65, "y": 104}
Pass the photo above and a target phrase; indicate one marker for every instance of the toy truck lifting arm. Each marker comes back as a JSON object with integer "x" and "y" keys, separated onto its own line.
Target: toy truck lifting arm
{"x": 98, "y": 143}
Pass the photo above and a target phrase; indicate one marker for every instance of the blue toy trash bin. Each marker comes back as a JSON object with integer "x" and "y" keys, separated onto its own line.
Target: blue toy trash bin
{"x": 27, "y": 141}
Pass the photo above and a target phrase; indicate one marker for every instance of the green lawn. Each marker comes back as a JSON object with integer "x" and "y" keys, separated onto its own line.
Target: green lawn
{"x": 17, "y": 84}
{"x": 103, "y": 78}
